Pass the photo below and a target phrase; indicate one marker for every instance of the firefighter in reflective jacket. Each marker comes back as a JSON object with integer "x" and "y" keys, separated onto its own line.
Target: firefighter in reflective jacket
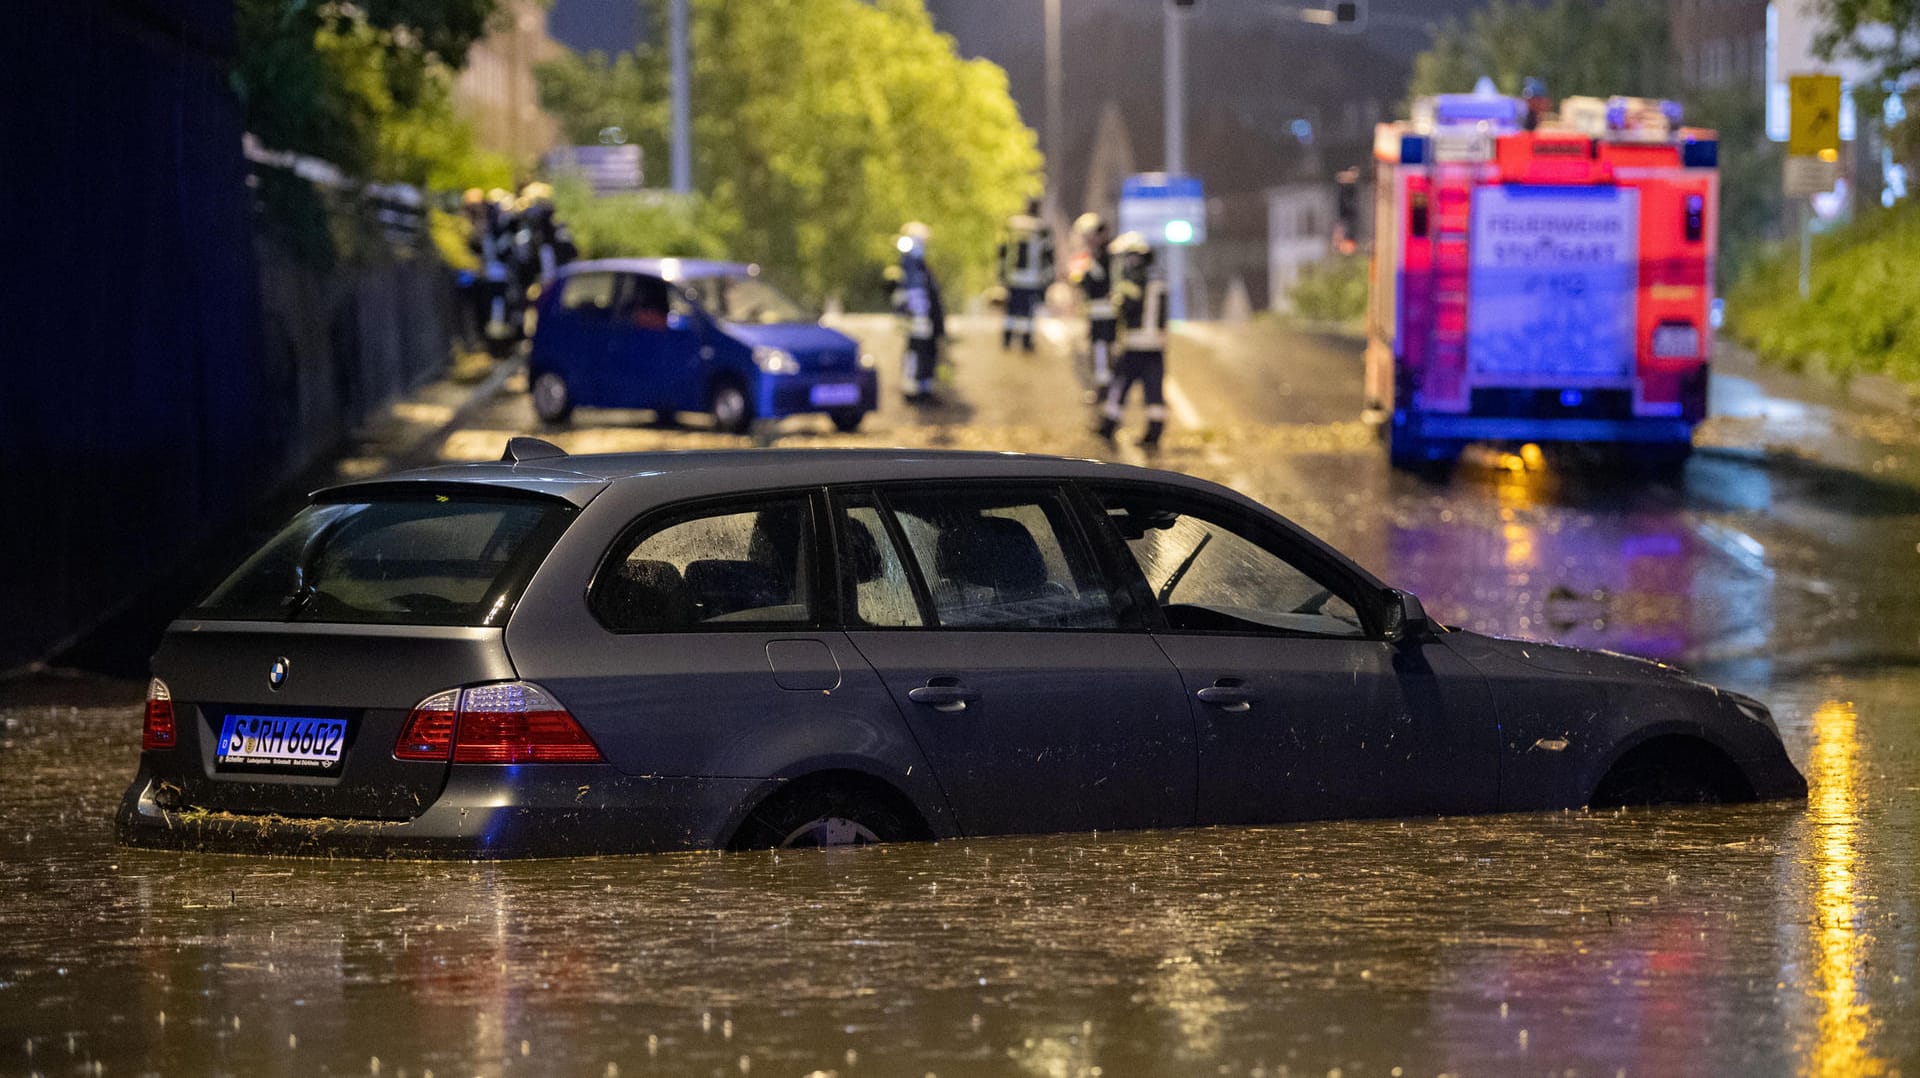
{"x": 1142, "y": 297}
{"x": 1096, "y": 283}
{"x": 918, "y": 304}
{"x": 1026, "y": 268}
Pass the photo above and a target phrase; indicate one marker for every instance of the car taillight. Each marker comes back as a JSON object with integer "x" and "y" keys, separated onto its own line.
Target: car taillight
{"x": 510, "y": 723}
{"x": 158, "y": 732}
{"x": 428, "y": 734}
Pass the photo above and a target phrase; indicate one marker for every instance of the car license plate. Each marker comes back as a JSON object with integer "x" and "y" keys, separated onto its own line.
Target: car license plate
{"x": 835, "y": 393}
{"x": 281, "y": 741}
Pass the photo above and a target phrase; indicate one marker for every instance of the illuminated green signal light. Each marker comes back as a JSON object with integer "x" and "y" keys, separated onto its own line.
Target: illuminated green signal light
{"x": 1178, "y": 231}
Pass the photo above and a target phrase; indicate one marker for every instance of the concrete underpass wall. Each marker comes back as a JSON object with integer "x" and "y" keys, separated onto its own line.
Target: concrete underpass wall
{"x": 339, "y": 344}
{"x": 161, "y": 374}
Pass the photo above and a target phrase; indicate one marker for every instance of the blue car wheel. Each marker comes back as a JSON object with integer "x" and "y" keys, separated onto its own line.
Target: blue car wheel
{"x": 732, "y": 412}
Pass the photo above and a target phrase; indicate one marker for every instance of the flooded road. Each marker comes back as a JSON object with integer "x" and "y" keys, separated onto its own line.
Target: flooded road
{"x": 1772, "y": 939}
{"x": 1755, "y": 939}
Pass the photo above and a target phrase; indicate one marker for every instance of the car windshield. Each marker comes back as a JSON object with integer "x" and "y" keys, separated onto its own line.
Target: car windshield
{"x": 746, "y": 299}
{"x": 441, "y": 559}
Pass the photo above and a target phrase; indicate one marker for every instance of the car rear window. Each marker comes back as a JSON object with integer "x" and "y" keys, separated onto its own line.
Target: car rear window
{"x": 440, "y": 559}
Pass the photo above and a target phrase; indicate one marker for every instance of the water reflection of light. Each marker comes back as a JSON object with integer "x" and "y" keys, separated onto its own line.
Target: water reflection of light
{"x": 1514, "y": 489}
{"x": 1840, "y": 1048}
{"x": 1184, "y": 987}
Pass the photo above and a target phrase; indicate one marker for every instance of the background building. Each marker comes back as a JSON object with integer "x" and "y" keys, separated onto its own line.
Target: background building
{"x": 496, "y": 90}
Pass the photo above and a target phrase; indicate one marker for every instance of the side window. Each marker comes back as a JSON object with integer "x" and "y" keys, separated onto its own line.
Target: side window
{"x": 1211, "y": 576}
{"x": 647, "y": 302}
{"x": 729, "y": 568}
{"x": 1003, "y": 559}
{"x": 875, "y": 587}
{"x": 589, "y": 295}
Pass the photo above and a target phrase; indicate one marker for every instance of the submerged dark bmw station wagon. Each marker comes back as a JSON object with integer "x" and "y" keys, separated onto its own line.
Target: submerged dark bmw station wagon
{"x": 566, "y": 655}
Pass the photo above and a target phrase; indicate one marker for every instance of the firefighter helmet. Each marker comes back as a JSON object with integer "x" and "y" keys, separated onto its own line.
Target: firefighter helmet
{"x": 1088, "y": 223}
{"x": 1130, "y": 243}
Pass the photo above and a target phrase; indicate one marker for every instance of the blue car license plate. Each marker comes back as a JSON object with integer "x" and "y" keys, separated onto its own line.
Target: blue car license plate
{"x": 832, "y": 394}
{"x": 281, "y": 741}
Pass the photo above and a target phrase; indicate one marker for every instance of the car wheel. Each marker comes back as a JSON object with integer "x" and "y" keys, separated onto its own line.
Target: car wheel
{"x": 825, "y": 817}
{"x": 1658, "y": 786}
{"x": 847, "y": 422}
{"x": 1672, "y": 770}
{"x": 552, "y": 400}
{"x": 731, "y": 412}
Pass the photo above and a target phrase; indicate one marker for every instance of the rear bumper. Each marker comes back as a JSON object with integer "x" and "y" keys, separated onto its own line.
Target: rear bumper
{"x": 1468, "y": 428}
{"x": 482, "y": 814}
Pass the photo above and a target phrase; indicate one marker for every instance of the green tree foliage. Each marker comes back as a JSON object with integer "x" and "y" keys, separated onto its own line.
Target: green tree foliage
{"x": 1331, "y": 291}
{"x": 611, "y": 226}
{"x": 365, "y": 86}
{"x": 1885, "y": 36}
{"x": 1749, "y": 173}
{"x": 1863, "y": 316}
{"x": 820, "y": 126}
{"x": 1575, "y": 46}
{"x": 588, "y": 93}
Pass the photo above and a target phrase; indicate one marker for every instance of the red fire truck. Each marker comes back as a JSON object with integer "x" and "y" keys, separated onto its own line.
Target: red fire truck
{"x": 1541, "y": 279}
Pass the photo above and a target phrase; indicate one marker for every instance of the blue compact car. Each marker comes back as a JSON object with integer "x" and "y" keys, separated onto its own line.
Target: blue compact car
{"x": 685, "y": 335}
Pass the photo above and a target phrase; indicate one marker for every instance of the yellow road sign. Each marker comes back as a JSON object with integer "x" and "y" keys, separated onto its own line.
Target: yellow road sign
{"x": 1814, "y": 122}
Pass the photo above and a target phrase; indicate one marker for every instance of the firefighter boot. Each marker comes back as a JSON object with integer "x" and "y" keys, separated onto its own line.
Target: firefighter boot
{"x": 1107, "y": 426}
{"x": 1151, "y": 439}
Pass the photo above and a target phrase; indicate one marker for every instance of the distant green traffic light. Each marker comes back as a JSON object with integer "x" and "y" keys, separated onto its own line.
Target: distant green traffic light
{"x": 1179, "y": 231}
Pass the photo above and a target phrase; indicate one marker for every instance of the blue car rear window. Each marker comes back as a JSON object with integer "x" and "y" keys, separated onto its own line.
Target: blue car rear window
{"x": 441, "y": 559}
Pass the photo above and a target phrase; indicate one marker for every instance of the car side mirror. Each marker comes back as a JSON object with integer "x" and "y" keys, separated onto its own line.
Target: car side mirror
{"x": 1405, "y": 617}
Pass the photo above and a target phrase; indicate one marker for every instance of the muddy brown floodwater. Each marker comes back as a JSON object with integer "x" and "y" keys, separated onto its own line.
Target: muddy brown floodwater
{"x": 1745, "y": 940}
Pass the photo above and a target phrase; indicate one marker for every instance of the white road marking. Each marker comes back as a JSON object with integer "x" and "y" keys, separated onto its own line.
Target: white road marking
{"x": 1183, "y": 409}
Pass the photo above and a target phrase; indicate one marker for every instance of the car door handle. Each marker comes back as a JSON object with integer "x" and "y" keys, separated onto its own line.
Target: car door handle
{"x": 1229, "y": 694}
{"x": 944, "y": 694}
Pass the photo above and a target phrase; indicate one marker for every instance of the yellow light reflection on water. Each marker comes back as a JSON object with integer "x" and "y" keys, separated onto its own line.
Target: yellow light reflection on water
{"x": 1844, "y": 1021}
{"x": 1514, "y": 491}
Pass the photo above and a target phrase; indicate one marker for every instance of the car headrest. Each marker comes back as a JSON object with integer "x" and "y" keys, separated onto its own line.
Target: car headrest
{"x": 861, "y": 560}
{"x": 725, "y": 587}
{"x": 647, "y": 594}
{"x": 992, "y": 552}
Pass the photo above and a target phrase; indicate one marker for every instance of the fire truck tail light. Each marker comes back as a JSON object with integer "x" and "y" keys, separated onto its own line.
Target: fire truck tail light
{"x": 1676, "y": 340}
{"x": 1696, "y": 217}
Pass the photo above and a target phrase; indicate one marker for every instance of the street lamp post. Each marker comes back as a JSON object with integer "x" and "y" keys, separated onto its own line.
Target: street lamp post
{"x": 682, "y": 151}
{"x": 1176, "y": 122}
{"x": 1056, "y": 166}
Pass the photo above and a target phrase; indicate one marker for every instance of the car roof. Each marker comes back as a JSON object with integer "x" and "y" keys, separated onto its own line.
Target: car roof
{"x": 672, "y": 269}
{"x": 579, "y": 479}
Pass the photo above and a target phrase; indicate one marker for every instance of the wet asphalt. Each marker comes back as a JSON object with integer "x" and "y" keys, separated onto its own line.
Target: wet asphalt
{"x": 1772, "y": 939}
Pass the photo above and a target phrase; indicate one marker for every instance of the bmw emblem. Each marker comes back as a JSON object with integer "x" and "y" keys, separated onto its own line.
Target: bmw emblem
{"x": 277, "y": 673}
